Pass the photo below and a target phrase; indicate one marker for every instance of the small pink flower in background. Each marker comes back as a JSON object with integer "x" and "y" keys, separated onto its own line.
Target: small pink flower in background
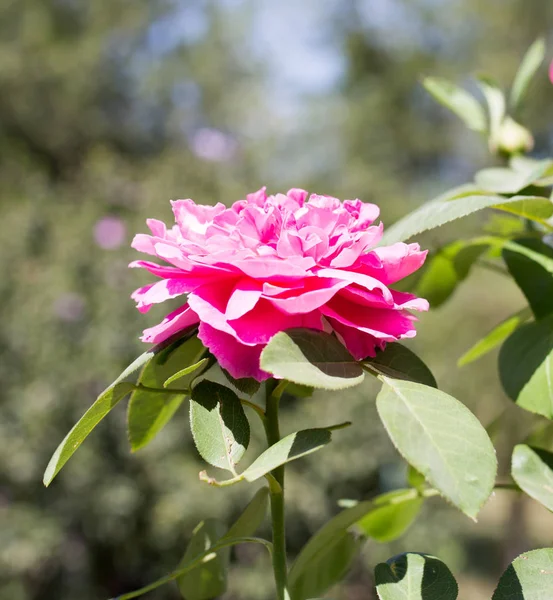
{"x": 213, "y": 145}
{"x": 551, "y": 72}
{"x": 109, "y": 233}
{"x": 271, "y": 263}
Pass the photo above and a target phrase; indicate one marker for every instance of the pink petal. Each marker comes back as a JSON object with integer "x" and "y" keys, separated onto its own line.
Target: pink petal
{"x": 178, "y": 320}
{"x": 159, "y": 292}
{"x": 243, "y": 298}
{"x": 306, "y": 300}
{"x": 239, "y": 360}
{"x": 399, "y": 261}
{"x": 365, "y": 281}
{"x": 360, "y": 345}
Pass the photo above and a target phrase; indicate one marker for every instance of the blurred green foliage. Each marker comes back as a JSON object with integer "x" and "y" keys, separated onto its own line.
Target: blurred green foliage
{"x": 108, "y": 110}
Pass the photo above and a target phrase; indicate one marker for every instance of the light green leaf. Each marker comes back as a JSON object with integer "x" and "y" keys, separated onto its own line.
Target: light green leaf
{"x": 105, "y": 402}
{"x": 401, "y": 363}
{"x": 496, "y": 106}
{"x": 528, "y": 67}
{"x": 531, "y": 469}
{"x": 392, "y": 514}
{"x": 463, "y": 104}
{"x": 532, "y": 278}
{"x": 209, "y": 579}
{"x": 186, "y": 371}
{"x": 252, "y": 517}
{"x": 219, "y": 425}
{"x": 529, "y": 577}
{"x": 437, "y": 213}
{"x": 149, "y": 411}
{"x": 442, "y": 439}
{"x": 205, "y": 557}
{"x": 502, "y": 180}
{"x": 495, "y": 337}
{"x": 526, "y": 367}
{"x": 415, "y": 479}
{"x": 534, "y": 208}
{"x": 101, "y": 407}
{"x": 290, "y": 448}
{"x": 415, "y": 577}
{"x": 311, "y": 358}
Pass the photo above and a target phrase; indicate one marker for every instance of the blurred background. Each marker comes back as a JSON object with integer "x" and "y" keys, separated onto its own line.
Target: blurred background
{"x": 110, "y": 109}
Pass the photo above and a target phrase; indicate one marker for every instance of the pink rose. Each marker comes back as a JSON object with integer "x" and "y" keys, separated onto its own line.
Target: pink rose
{"x": 270, "y": 263}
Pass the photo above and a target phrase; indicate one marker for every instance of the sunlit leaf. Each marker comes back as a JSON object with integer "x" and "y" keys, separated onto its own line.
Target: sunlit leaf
{"x": 463, "y": 104}
{"x": 290, "y": 448}
{"x": 415, "y": 577}
{"x": 529, "y": 577}
{"x": 495, "y": 337}
{"x": 311, "y": 358}
{"x": 219, "y": 425}
{"x": 526, "y": 367}
{"x": 528, "y": 67}
{"x": 399, "y": 362}
{"x": 496, "y": 106}
{"x": 532, "y": 469}
{"x": 442, "y": 439}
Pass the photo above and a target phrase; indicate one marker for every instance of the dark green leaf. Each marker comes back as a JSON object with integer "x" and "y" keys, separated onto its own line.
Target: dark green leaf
{"x": 246, "y": 385}
{"x": 533, "y": 279}
{"x": 458, "y": 101}
{"x": 438, "y": 212}
{"x": 148, "y": 411}
{"x": 528, "y": 67}
{"x": 330, "y": 568}
{"x": 399, "y": 362}
{"x": 525, "y": 366}
{"x": 495, "y": 337}
{"x": 311, "y": 358}
{"x": 252, "y": 517}
{"x": 290, "y": 448}
{"x": 219, "y": 425}
{"x": 299, "y": 391}
{"x": 531, "y": 468}
{"x": 415, "y": 577}
{"x": 442, "y": 439}
{"x": 529, "y": 577}
{"x": 393, "y": 513}
{"x": 209, "y": 579}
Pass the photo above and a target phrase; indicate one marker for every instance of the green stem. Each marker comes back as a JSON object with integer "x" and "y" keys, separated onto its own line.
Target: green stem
{"x": 276, "y": 489}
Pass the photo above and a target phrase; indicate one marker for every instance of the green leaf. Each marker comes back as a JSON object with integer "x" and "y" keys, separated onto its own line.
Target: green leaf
{"x": 415, "y": 577}
{"x": 246, "y": 385}
{"x": 209, "y": 579}
{"x": 290, "y": 448}
{"x": 219, "y": 425}
{"x": 252, "y": 517}
{"x": 526, "y": 364}
{"x": 149, "y": 411}
{"x": 204, "y": 557}
{"x": 446, "y": 269}
{"x": 101, "y": 407}
{"x": 330, "y": 568}
{"x": 299, "y": 391}
{"x": 105, "y": 402}
{"x": 502, "y": 180}
{"x": 393, "y": 513}
{"x": 534, "y": 208}
{"x": 495, "y": 337}
{"x": 415, "y": 479}
{"x": 496, "y": 106}
{"x": 311, "y": 358}
{"x": 531, "y": 469}
{"x": 309, "y": 569}
{"x": 186, "y": 371}
{"x": 442, "y": 439}
{"x": 529, "y": 577}
{"x": 438, "y": 212}
{"x": 532, "y": 278}
{"x": 528, "y": 67}
{"x": 463, "y": 104}
{"x": 399, "y": 362}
